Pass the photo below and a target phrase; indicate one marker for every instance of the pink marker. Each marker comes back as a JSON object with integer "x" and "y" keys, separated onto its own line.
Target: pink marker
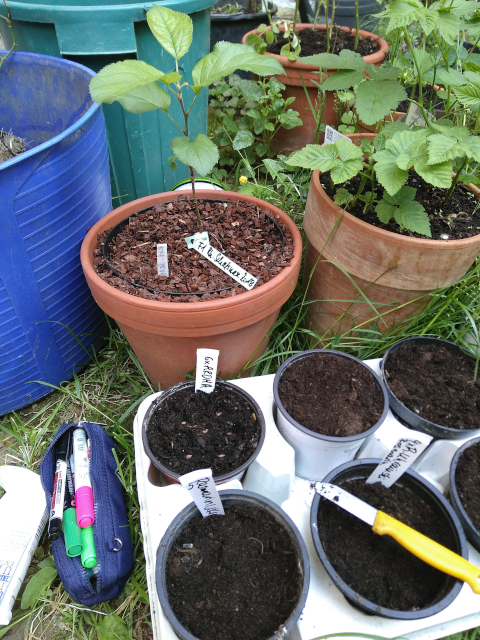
{"x": 83, "y": 486}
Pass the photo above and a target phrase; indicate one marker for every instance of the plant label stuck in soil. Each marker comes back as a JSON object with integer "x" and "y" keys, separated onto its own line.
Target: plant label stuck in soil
{"x": 206, "y": 372}
{"x": 415, "y": 117}
{"x": 332, "y": 135}
{"x": 399, "y": 459}
{"x": 204, "y": 493}
{"x": 162, "y": 260}
{"x": 197, "y": 242}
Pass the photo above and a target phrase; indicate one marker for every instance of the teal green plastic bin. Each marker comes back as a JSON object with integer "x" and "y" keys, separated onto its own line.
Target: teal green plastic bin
{"x": 103, "y": 31}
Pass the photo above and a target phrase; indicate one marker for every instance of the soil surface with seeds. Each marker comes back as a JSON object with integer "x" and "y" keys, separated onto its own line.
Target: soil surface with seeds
{"x": 459, "y": 218}
{"x": 436, "y": 384}
{"x": 241, "y": 231}
{"x": 314, "y": 41}
{"x": 467, "y": 479}
{"x": 331, "y": 395}
{"x": 239, "y": 580}
{"x": 375, "y": 566}
{"x": 218, "y": 430}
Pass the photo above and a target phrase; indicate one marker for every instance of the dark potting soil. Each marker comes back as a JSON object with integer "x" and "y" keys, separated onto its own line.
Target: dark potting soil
{"x": 467, "y": 479}
{"x": 331, "y": 395}
{"x": 240, "y": 580}
{"x": 459, "y": 218}
{"x": 377, "y": 567}
{"x": 436, "y": 384}
{"x": 314, "y": 41}
{"x": 239, "y": 230}
{"x": 428, "y": 93}
{"x": 190, "y": 431}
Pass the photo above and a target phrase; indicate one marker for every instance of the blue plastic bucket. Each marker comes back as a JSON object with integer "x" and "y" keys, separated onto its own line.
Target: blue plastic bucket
{"x": 50, "y": 196}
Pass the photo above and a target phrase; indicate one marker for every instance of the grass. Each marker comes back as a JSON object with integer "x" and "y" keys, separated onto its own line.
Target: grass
{"x": 109, "y": 391}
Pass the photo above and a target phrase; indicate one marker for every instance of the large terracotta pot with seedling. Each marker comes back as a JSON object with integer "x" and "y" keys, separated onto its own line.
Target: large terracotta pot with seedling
{"x": 306, "y": 69}
{"x": 254, "y": 238}
{"x": 364, "y": 268}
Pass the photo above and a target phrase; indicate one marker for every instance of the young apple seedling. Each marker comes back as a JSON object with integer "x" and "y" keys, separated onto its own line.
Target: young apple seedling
{"x": 135, "y": 84}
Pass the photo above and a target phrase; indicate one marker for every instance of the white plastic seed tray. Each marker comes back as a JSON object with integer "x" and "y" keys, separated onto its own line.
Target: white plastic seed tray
{"x": 272, "y": 475}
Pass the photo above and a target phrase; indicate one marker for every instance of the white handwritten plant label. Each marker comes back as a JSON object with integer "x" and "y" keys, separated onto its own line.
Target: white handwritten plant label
{"x": 203, "y": 246}
{"x": 399, "y": 459}
{"x": 206, "y": 372}
{"x": 203, "y": 491}
{"x": 332, "y": 135}
{"x": 162, "y": 260}
{"x": 415, "y": 116}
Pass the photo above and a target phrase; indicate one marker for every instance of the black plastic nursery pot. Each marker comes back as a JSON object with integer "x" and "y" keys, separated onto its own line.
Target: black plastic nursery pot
{"x": 458, "y": 499}
{"x": 317, "y": 454}
{"x": 447, "y": 588}
{"x": 231, "y": 27}
{"x": 238, "y": 471}
{"x": 230, "y": 499}
{"x": 411, "y": 417}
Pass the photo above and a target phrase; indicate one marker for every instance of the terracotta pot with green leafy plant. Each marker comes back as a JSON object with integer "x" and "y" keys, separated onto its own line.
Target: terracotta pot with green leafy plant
{"x": 170, "y": 306}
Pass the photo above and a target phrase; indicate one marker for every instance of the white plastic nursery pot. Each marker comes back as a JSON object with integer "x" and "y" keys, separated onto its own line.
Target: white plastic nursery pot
{"x": 229, "y": 499}
{"x": 238, "y": 472}
{"x": 317, "y": 454}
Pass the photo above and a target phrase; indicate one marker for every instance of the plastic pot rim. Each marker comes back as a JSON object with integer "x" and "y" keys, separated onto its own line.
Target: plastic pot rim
{"x": 314, "y": 434}
{"x": 180, "y": 386}
{"x": 233, "y": 17}
{"x": 455, "y": 498}
{"x": 235, "y": 496}
{"x": 415, "y": 420}
{"x": 354, "y": 596}
{"x": 55, "y": 63}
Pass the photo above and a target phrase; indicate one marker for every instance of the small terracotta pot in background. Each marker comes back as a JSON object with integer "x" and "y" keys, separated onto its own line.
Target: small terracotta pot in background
{"x": 288, "y": 140}
{"x": 166, "y": 335}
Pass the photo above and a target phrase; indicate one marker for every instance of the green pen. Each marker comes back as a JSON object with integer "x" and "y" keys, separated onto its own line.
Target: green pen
{"x": 70, "y": 528}
{"x": 89, "y": 555}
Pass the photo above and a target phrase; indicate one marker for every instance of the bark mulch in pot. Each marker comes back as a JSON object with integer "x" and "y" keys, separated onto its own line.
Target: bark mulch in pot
{"x": 190, "y": 431}
{"x": 240, "y": 580}
{"x": 436, "y": 384}
{"x": 331, "y": 395}
{"x": 467, "y": 479}
{"x": 377, "y": 567}
{"x": 314, "y": 41}
{"x": 240, "y": 230}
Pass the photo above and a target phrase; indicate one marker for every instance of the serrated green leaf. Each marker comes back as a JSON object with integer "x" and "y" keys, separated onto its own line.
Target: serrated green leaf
{"x": 428, "y": 20}
{"x": 385, "y": 211}
{"x": 342, "y": 79}
{"x": 227, "y": 57}
{"x": 348, "y": 151}
{"x": 346, "y": 60}
{"x": 120, "y": 77}
{"x": 385, "y": 72}
{"x": 438, "y": 175}
{"x": 290, "y": 119}
{"x": 314, "y": 156}
{"x": 402, "y": 14}
{"x": 273, "y": 167}
{"x": 390, "y": 176}
{"x": 172, "y": 29}
{"x": 448, "y": 25}
{"x": 442, "y": 147}
{"x": 472, "y": 76}
{"x": 375, "y": 100}
{"x": 351, "y": 161}
{"x": 201, "y": 154}
{"x": 242, "y": 140}
{"x": 468, "y": 95}
{"x": 146, "y": 98}
{"x": 412, "y": 216}
{"x": 38, "y": 583}
{"x": 342, "y": 197}
{"x": 471, "y": 147}
{"x": 446, "y": 77}
{"x": 112, "y": 627}
{"x": 168, "y": 78}
{"x": 250, "y": 89}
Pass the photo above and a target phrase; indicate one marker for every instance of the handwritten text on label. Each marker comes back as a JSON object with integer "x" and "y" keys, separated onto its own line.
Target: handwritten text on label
{"x": 204, "y": 493}
{"x": 399, "y": 459}
{"x": 206, "y": 372}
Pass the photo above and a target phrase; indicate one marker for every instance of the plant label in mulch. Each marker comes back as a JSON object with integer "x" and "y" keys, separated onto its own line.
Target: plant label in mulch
{"x": 203, "y": 246}
{"x": 162, "y": 260}
{"x": 399, "y": 459}
{"x": 332, "y": 135}
{"x": 206, "y": 372}
{"x": 203, "y": 491}
{"x": 415, "y": 117}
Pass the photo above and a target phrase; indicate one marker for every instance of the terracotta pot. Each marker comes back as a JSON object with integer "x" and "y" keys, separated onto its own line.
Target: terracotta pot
{"x": 288, "y": 140}
{"x": 390, "y": 268}
{"x": 166, "y": 335}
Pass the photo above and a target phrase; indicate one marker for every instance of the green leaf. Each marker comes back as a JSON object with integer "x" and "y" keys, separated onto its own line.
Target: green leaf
{"x": 385, "y": 211}
{"x": 172, "y": 163}
{"x": 250, "y": 89}
{"x": 346, "y": 60}
{"x": 448, "y": 25}
{"x": 112, "y": 627}
{"x": 242, "y": 140}
{"x": 314, "y": 156}
{"x": 442, "y": 147}
{"x": 342, "y": 79}
{"x": 48, "y": 562}
{"x": 412, "y": 216}
{"x": 351, "y": 161}
{"x": 428, "y": 20}
{"x": 168, "y": 78}
{"x": 471, "y": 147}
{"x": 227, "y": 57}
{"x": 201, "y": 154}
{"x": 385, "y": 72}
{"x": 172, "y": 29}
{"x": 121, "y": 77}
{"x": 375, "y": 100}
{"x": 290, "y": 119}
{"x": 446, "y": 77}
{"x": 390, "y": 176}
{"x": 342, "y": 197}
{"x": 402, "y": 14}
{"x": 468, "y": 95}
{"x": 38, "y": 583}
{"x": 438, "y": 175}
{"x": 146, "y": 98}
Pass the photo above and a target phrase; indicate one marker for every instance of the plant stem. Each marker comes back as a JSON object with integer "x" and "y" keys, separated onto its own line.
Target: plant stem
{"x": 8, "y": 20}
{"x": 455, "y": 182}
{"x": 269, "y": 15}
{"x": 295, "y": 16}
{"x": 199, "y": 220}
{"x": 328, "y": 26}
{"x": 365, "y": 177}
{"x": 357, "y": 25}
